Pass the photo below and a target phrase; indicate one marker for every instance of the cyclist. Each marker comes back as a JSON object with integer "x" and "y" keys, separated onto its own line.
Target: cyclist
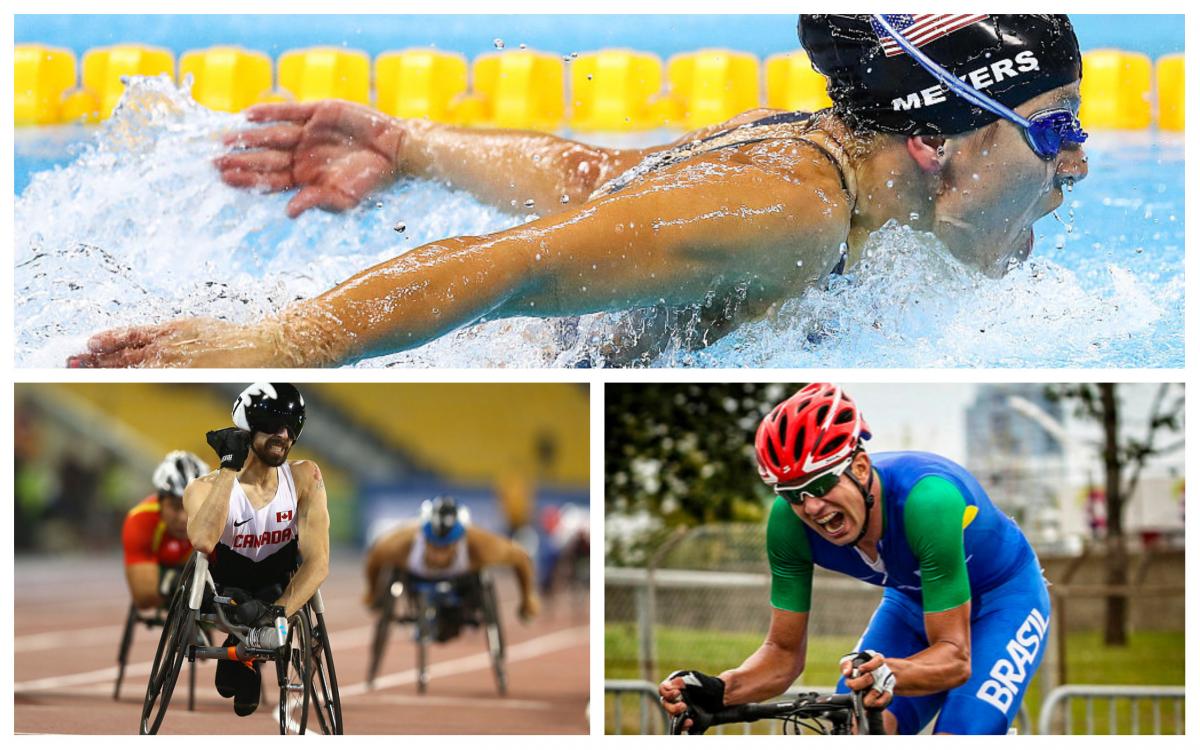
{"x": 263, "y": 522}
{"x": 154, "y": 534}
{"x": 972, "y": 142}
{"x": 962, "y": 623}
{"x": 445, "y": 546}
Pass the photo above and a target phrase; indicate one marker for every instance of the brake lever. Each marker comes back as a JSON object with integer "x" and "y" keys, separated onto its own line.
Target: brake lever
{"x": 860, "y": 711}
{"x": 701, "y": 721}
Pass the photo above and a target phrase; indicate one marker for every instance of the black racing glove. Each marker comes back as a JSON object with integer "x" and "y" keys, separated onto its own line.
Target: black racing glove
{"x": 703, "y": 691}
{"x": 232, "y": 446}
{"x": 249, "y": 610}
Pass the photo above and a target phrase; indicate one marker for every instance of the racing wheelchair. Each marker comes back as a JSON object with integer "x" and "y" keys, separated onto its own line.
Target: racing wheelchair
{"x": 152, "y": 619}
{"x": 437, "y": 611}
{"x": 303, "y": 664}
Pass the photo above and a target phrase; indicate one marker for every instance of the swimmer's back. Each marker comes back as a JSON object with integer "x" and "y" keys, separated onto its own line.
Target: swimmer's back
{"x": 748, "y": 128}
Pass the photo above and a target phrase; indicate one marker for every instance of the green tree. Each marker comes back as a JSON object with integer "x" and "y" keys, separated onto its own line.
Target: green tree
{"x": 1124, "y": 457}
{"x": 684, "y": 452}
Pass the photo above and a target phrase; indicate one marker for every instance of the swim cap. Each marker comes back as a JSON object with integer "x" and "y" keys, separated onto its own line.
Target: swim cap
{"x": 874, "y": 85}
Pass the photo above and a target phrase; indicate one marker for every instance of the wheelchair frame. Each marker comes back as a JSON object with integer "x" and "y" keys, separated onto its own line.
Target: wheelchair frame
{"x": 304, "y": 664}
{"x": 421, "y": 612}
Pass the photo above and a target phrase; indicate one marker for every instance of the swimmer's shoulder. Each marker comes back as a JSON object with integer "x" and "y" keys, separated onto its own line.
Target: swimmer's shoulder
{"x": 746, "y": 118}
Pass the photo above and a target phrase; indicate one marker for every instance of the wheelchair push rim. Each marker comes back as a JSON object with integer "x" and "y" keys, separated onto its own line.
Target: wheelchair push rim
{"x": 325, "y": 697}
{"x": 168, "y": 659}
{"x": 295, "y": 671}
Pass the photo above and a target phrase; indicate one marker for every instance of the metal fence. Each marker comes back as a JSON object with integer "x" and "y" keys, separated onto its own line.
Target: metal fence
{"x": 652, "y": 718}
{"x": 715, "y": 579}
{"x": 1065, "y": 706}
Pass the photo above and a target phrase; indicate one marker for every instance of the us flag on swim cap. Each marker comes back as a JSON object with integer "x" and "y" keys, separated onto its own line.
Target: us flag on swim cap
{"x": 920, "y": 28}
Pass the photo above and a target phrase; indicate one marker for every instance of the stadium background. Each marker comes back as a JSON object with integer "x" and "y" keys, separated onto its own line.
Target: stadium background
{"x": 517, "y": 454}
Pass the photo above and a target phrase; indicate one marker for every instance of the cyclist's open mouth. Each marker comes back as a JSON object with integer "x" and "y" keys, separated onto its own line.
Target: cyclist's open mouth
{"x": 833, "y": 524}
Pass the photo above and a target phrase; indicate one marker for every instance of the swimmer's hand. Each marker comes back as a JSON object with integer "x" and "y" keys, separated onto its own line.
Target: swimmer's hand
{"x": 194, "y": 342}
{"x": 336, "y": 152}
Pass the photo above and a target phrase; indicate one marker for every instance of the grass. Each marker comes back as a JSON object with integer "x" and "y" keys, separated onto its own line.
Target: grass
{"x": 1149, "y": 659}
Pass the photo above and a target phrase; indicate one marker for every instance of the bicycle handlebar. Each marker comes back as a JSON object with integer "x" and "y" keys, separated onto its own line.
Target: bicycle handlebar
{"x": 812, "y": 703}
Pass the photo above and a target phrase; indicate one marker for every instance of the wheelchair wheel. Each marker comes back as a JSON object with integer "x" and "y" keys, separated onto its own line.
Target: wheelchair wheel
{"x": 426, "y": 620}
{"x": 294, "y": 668}
{"x": 177, "y": 636}
{"x": 123, "y": 650}
{"x": 383, "y": 628}
{"x": 323, "y": 682}
{"x": 494, "y": 632}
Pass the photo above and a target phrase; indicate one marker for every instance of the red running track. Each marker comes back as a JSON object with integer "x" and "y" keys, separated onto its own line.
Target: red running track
{"x": 68, "y": 615}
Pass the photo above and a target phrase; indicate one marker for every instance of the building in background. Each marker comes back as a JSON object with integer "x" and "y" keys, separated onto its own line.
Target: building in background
{"x": 1016, "y": 446}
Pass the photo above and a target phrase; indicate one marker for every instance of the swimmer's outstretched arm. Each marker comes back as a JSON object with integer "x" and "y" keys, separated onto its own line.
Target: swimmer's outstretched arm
{"x": 707, "y": 227}
{"x": 338, "y": 152}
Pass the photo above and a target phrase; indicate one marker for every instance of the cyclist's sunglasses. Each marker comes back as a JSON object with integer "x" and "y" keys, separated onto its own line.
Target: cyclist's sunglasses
{"x": 819, "y": 487}
{"x": 1047, "y": 132}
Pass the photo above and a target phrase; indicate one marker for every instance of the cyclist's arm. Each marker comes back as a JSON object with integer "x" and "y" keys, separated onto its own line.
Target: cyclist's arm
{"x": 206, "y": 501}
{"x": 933, "y": 524}
{"x": 776, "y": 664}
{"x": 313, "y": 529}
{"x": 946, "y": 663}
{"x": 780, "y": 659}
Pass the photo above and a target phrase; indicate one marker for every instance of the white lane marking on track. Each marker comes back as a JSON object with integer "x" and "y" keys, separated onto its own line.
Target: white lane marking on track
{"x": 530, "y": 649}
{"x": 426, "y": 700}
{"x": 58, "y": 638}
{"x": 352, "y": 637}
{"x": 524, "y": 650}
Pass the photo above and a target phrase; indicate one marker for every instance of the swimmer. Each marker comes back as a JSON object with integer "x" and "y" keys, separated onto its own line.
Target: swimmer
{"x": 961, "y": 126}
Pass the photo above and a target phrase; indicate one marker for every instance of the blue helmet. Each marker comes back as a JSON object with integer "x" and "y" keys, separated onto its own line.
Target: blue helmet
{"x": 443, "y": 522}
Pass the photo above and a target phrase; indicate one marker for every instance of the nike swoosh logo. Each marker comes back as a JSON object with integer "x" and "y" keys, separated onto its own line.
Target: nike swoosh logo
{"x": 239, "y": 523}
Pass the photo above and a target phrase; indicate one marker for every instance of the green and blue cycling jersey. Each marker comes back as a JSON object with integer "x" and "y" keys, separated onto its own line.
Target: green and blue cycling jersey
{"x": 943, "y": 542}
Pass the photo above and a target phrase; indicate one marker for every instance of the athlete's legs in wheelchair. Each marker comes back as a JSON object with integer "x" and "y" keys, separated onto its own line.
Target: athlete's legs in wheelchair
{"x": 304, "y": 662}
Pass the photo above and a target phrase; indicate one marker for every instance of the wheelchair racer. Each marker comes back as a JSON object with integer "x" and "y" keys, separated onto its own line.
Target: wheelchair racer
{"x": 445, "y": 546}
{"x": 154, "y": 535}
{"x": 962, "y": 623}
{"x": 263, "y": 522}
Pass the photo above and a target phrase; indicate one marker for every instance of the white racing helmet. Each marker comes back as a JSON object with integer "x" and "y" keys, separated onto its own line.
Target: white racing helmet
{"x": 176, "y": 470}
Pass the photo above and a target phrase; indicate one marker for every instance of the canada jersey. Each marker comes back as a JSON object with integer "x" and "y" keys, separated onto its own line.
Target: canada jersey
{"x": 943, "y": 542}
{"x": 145, "y": 539}
{"x": 459, "y": 566}
{"x": 258, "y": 534}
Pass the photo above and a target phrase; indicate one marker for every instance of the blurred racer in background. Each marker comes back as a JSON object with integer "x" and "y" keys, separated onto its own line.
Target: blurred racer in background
{"x": 445, "y": 545}
{"x": 155, "y": 532}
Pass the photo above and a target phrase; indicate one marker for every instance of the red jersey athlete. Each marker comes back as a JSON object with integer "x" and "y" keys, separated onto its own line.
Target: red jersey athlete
{"x": 155, "y": 532}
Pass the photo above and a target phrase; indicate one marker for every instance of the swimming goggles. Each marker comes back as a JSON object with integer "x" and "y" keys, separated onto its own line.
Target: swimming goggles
{"x": 818, "y": 487}
{"x": 1045, "y": 131}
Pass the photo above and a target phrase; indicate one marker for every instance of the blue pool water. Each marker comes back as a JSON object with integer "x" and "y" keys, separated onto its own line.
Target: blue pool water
{"x": 129, "y": 224}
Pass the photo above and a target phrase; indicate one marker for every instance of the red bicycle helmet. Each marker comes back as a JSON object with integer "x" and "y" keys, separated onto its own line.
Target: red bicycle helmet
{"x": 815, "y": 432}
